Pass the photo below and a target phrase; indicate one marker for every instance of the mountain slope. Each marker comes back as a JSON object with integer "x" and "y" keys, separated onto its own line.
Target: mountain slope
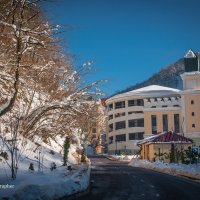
{"x": 168, "y": 76}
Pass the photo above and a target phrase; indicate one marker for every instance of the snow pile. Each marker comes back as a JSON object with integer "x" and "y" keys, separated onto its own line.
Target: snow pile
{"x": 122, "y": 157}
{"x": 55, "y": 185}
{"x": 190, "y": 170}
{"x": 43, "y": 183}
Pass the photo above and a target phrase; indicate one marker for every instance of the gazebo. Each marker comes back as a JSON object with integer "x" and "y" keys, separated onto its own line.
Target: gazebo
{"x": 157, "y": 147}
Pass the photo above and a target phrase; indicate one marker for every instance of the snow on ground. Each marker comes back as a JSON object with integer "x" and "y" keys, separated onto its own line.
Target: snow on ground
{"x": 190, "y": 170}
{"x": 54, "y": 185}
{"x": 43, "y": 183}
{"x": 122, "y": 157}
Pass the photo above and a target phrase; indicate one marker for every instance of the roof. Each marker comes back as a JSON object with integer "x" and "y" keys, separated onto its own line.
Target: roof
{"x": 190, "y": 54}
{"x": 166, "y": 137}
{"x": 149, "y": 90}
{"x": 103, "y": 101}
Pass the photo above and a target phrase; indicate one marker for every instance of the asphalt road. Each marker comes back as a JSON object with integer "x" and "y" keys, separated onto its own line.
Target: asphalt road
{"x": 113, "y": 180}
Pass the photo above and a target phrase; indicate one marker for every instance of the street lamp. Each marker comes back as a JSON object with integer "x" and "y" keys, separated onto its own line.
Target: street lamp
{"x": 116, "y": 147}
{"x": 125, "y": 149}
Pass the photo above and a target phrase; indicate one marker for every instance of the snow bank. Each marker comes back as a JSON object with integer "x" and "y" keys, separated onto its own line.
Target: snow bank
{"x": 56, "y": 186}
{"x": 191, "y": 170}
{"x": 43, "y": 183}
{"x": 122, "y": 157}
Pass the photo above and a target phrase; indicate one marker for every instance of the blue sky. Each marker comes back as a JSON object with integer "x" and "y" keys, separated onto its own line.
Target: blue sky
{"x": 128, "y": 40}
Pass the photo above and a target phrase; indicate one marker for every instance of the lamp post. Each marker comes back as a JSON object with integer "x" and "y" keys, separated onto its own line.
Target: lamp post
{"x": 125, "y": 149}
{"x": 116, "y": 147}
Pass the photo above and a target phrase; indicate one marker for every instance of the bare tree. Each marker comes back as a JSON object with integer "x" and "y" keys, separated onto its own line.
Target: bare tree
{"x": 41, "y": 95}
{"x": 27, "y": 48}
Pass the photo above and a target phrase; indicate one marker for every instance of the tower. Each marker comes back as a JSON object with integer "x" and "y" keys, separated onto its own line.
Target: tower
{"x": 191, "y": 76}
{"x": 191, "y": 96}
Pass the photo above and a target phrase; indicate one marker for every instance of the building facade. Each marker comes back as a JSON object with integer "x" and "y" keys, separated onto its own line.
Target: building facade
{"x": 147, "y": 111}
{"x": 191, "y": 97}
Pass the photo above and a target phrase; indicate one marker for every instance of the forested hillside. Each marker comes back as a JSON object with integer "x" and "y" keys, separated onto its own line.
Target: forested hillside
{"x": 168, "y": 76}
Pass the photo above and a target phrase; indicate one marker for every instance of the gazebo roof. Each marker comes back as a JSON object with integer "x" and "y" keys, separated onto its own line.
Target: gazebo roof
{"x": 166, "y": 137}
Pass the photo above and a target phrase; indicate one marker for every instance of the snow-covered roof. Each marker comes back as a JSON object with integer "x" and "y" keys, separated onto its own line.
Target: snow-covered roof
{"x": 166, "y": 137}
{"x": 190, "y": 54}
{"x": 148, "y": 91}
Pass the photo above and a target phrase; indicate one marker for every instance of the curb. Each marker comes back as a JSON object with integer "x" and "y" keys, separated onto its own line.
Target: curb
{"x": 111, "y": 158}
{"x": 177, "y": 174}
{"x": 117, "y": 159}
{"x": 80, "y": 193}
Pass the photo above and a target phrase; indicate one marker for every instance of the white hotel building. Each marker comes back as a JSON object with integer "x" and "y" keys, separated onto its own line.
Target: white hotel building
{"x": 128, "y": 112}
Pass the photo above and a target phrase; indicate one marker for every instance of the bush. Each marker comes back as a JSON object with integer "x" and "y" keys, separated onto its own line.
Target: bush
{"x": 191, "y": 156}
{"x": 4, "y": 155}
{"x": 83, "y": 158}
{"x": 66, "y": 147}
{"x": 52, "y": 152}
{"x": 53, "y": 166}
{"x": 31, "y": 167}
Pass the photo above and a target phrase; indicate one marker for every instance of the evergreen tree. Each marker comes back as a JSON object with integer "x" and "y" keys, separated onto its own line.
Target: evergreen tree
{"x": 172, "y": 154}
{"x": 31, "y": 167}
{"x": 66, "y": 150}
{"x": 191, "y": 155}
{"x": 53, "y": 166}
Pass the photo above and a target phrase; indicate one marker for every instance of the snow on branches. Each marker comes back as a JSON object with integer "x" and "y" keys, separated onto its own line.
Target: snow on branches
{"x": 38, "y": 86}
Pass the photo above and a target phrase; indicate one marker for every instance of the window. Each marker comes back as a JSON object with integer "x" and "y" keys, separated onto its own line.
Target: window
{"x": 111, "y": 140}
{"x": 165, "y": 122}
{"x": 193, "y": 125}
{"x": 110, "y": 106}
{"x": 191, "y": 64}
{"x": 131, "y": 103}
{"x": 120, "y": 104}
{"x": 192, "y": 113}
{"x": 154, "y": 124}
{"x": 120, "y": 125}
{"x": 140, "y": 102}
{"x": 110, "y": 127}
{"x": 164, "y": 106}
{"x": 136, "y": 102}
{"x": 110, "y": 117}
{"x": 192, "y": 101}
{"x": 191, "y": 84}
{"x": 176, "y": 123}
{"x": 135, "y": 112}
{"x": 120, "y": 114}
{"x": 132, "y": 123}
{"x": 176, "y": 106}
{"x": 177, "y": 98}
{"x": 121, "y": 137}
{"x": 136, "y": 136}
{"x": 136, "y": 123}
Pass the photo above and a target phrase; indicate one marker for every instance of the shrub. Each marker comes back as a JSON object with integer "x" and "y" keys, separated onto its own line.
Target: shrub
{"x": 31, "y": 167}
{"x": 53, "y": 166}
